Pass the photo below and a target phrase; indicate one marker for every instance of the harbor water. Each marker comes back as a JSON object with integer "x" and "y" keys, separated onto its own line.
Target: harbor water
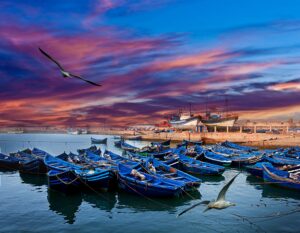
{"x": 27, "y": 205}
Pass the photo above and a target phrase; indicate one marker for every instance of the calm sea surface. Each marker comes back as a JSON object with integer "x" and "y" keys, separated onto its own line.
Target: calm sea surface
{"x": 27, "y": 205}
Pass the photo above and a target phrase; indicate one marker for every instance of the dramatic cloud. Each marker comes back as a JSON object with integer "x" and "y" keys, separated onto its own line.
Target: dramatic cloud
{"x": 292, "y": 86}
{"x": 146, "y": 76}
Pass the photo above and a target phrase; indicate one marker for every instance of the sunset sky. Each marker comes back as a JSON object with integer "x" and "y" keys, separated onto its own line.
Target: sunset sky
{"x": 152, "y": 58}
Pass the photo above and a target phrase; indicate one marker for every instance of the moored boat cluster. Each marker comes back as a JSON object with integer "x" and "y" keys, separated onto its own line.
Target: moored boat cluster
{"x": 156, "y": 170}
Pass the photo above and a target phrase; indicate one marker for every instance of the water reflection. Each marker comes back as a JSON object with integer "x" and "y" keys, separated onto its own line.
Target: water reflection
{"x": 105, "y": 200}
{"x": 5, "y": 171}
{"x": 64, "y": 205}
{"x": 142, "y": 204}
{"x": 34, "y": 180}
{"x": 211, "y": 179}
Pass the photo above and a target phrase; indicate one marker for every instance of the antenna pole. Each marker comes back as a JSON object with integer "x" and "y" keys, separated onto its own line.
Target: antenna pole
{"x": 226, "y": 105}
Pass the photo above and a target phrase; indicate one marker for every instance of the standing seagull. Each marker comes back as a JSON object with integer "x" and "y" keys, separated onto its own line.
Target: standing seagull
{"x": 65, "y": 73}
{"x": 220, "y": 203}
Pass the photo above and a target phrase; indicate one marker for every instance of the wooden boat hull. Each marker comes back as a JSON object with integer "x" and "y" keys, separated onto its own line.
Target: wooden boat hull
{"x": 144, "y": 190}
{"x": 64, "y": 181}
{"x": 241, "y": 162}
{"x": 152, "y": 186}
{"x": 281, "y": 161}
{"x": 132, "y": 137}
{"x": 90, "y": 179}
{"x": 280, "y": 178}
{"x": 201, "y": 170}
{"x": 36, "y": 166}
{"x": 216, "y": 159}
{"x": 165, "y": 171}
{"x": 256, "y": 169}
{"x": 103, "y": 181}
{"x": 9, "y": 164}
{"x": 237, "y": 146}
{"x": 158, "y": 155}
{"x": 118, "y": 143}
{"x": 93, "y": 149}
{"x": 193, "y": 166}
{"x": 127, "y": 147}
{"x": 190, "y": 123}
{"x": 225, "y": 121}
{"x": 98, "y": 141}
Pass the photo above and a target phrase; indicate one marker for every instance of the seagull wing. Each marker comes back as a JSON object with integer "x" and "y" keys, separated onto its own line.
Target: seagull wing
{"x": 223, "y": 191}
{"x": 52, "y": 59}
{"x": 192, "y": 207}
{"x": 90, "y": 82}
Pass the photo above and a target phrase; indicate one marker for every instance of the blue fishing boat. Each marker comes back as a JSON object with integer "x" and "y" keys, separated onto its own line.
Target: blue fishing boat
{"x": 8, "y": 162}
{"x": 128, "y": 147}
{"x": 239, "y": 158}
{"x": 135, "y": 156}
{"x": 158, "y": 168}
{"x": 237, "y": 146}
{"x": 286, "y": 179}
{"x": 39, "y": 153}
{"x": 194, "y": 166}
{"x": 63, "y": 156}
{"x": 226, "y": 150}
{"x": 245, "y": 160}
{"x": 91, "y": 177}
{"x": 32, "y": 164}
{"x": 161, "y": 145}
{"x": 257, "y": 169}
{"x": 145, "y": 184}
{"x": 216, "y": 158}
{"x": 192, "y": 143}
{"x": 118, "y": 143}
{"x": 116, "y": 159}
{"x": 278, "y": 160}
{"x": 129, "y": 160}
{"x": 98, "y": 141}
{"x": 65, "y": 181}
{"x": 94, "y": 149}
{"x": 113, "y": 156}
{"x": 293, "y": 152}
{"x": 159, "y": 154}
{"x": 132, "y": 137}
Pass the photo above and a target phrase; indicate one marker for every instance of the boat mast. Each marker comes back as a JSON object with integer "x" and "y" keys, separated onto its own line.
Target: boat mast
{"x": 206, "y": 106}
{"x": 226, "y": 105}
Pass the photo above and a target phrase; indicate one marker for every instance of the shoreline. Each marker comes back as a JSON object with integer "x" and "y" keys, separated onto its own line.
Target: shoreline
{"x": 250, "y": 139}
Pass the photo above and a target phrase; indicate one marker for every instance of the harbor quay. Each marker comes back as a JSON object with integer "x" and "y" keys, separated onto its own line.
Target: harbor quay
{"x": 283, "y": 139}
{"x": 261, "y": 134}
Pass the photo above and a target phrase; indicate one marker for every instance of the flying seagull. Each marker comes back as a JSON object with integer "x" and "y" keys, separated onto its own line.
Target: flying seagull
{"x": 65, "y": 73}
{"x": 220, "y": 203}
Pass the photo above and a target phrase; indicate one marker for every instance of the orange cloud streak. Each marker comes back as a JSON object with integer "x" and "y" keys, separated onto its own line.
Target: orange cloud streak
{"x": 194, "y": 60}
{"x": 285, "y": 86}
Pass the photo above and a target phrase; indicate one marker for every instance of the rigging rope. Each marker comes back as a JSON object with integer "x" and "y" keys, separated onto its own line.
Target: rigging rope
{"x": 98, "y": 193}
{"x": 67, "y": 183}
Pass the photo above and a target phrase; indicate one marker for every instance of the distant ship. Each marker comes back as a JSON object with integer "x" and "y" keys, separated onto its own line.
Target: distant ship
{"x": 184, "y": 121}
{"x": 77, "y": 131}
{"x": 73, "y": 132}
{"x": 17, "y": 131}
{"x": 219, "y": 120}
{"x": 84, "y": 131}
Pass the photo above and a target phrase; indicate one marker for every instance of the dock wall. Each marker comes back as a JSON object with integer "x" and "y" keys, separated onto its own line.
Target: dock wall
{"x": 253, "y": 139}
